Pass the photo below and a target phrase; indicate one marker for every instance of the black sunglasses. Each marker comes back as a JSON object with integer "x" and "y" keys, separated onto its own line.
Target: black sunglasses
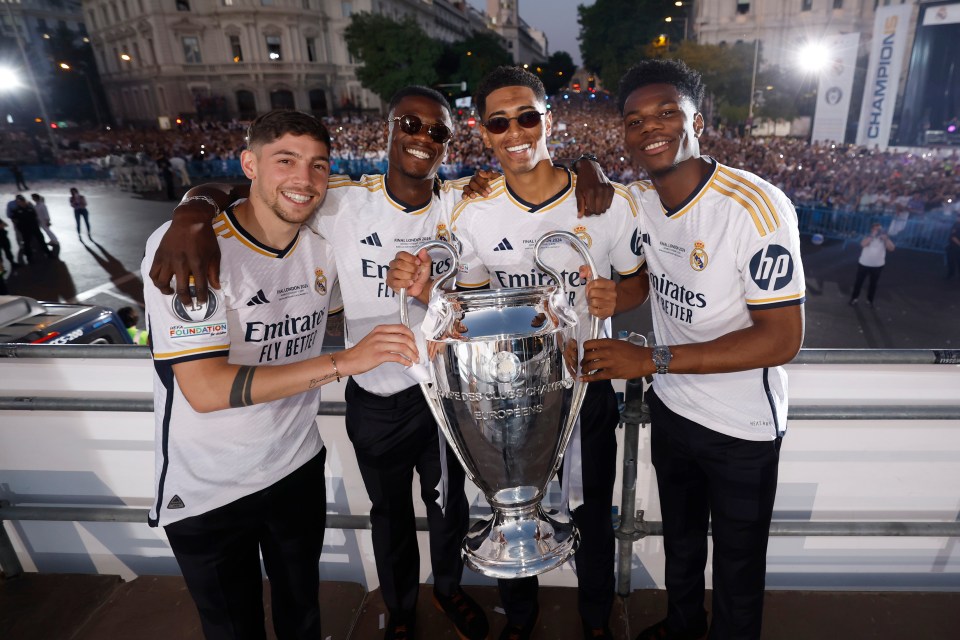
{"x": 527, "y": 120}
{"x": 411, "y": 125}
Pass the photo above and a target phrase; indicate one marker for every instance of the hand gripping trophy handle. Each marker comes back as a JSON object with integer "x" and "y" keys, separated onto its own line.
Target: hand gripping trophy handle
{"x": 428, "y": 391}
{"x": 579, "y": 387}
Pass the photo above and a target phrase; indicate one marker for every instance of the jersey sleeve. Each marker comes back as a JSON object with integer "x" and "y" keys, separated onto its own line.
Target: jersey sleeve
{"x": 322, "y": 220}
{"x": 180, "y": 333}
{"x": 770, "y": 261}
{"x": 627, "y": 254}
{"x": 473, "y": 273}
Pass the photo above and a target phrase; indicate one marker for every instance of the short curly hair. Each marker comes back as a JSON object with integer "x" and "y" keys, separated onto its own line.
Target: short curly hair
{"x": 688, "y": 82}
{"x": 422, "y": 92}
{"x": 507, "y": 76}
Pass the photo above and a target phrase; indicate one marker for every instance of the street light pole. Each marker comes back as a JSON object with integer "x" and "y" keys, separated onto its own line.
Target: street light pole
{"x": 82, "y": 70}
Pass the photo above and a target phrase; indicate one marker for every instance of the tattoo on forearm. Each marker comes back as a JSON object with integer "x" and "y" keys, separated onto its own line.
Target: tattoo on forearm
{"x": 241, "y": 392}
{"x": 316, "y": 382}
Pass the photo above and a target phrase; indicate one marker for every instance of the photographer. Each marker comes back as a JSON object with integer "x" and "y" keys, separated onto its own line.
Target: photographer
{"x": 873, "y": 255}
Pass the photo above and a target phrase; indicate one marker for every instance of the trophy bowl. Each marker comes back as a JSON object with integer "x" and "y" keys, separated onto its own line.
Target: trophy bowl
{"x": 504, "y": 391}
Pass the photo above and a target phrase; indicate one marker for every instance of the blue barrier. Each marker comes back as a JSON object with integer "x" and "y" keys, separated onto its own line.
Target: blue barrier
{"x": 925, "y": 233}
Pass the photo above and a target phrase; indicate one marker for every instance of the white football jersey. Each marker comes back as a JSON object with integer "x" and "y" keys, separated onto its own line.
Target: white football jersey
{"x": 366, "y": 226}
{"x": 498, "y": 234}
{"x": 271, "y": 310}
{"x": 731, "y": 248}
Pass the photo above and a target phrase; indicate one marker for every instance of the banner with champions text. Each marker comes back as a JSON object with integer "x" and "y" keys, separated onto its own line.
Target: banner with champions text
{"x": 891, "y": 30}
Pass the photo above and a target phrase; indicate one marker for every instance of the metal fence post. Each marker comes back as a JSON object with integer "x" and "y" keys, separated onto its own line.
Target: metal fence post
{"x": 635, "y": 413}
{"x": 9, "y": 562}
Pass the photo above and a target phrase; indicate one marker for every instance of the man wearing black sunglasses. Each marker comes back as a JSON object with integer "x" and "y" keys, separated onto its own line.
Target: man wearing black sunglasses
{"x": 392, "y": 430}
{"x": 497, "y": 234}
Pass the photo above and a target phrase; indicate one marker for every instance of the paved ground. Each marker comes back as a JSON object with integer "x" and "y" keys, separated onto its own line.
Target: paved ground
{"x": 916, "y": 308}
{"x": 74, "y": 607}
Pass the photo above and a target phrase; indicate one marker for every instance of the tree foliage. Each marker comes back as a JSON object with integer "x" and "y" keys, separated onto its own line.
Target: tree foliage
{"x": 557, "y": 71}
{"x": 392, "y": 54}
{"x": 471, "y": 59}
{"x": 615, "y": 34}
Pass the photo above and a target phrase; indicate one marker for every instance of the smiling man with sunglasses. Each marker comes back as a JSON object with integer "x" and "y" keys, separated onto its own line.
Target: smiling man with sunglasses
{"x": 497, "y": 234}
{"x": 393, "y": 432}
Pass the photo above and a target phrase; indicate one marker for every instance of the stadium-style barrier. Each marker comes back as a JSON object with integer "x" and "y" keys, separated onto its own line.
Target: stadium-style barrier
{"x": 928, "y": 232}
{"x": 75, "y": 446}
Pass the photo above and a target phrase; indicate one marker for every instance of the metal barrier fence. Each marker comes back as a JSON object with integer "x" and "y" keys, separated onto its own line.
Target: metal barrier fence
{"x": 631, "y": 527}
{"x": 925, "y": 233}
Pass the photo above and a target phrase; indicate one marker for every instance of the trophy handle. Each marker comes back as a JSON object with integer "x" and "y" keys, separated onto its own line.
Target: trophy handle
{"x": 579, "y": 387}
{"x": 454, "y": 269}
{"x": 429, "y": 389}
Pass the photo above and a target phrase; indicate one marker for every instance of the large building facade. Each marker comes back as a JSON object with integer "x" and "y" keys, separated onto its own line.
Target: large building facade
{"x": 782, "y": 27}
{"x": 163, "y": 59}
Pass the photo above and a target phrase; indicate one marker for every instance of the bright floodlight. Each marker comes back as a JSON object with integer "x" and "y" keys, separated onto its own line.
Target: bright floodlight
{"x": 814, "y": 56}
{"x": 9, "y": 78}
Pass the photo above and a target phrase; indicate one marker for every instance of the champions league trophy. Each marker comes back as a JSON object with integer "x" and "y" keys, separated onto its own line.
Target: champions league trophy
{"x": 505, "y": 393}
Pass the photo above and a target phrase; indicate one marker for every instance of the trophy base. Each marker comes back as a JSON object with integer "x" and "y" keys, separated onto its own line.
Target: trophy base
{"x": 518, "y": 543}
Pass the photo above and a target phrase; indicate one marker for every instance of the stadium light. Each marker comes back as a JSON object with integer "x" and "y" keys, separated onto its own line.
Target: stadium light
{"x": 813, "y": 57}
{"x": 9, "y": 79}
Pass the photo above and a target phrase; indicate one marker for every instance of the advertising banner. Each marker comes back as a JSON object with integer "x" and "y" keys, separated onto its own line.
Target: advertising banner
{"x": 834, "y": 88}
{"x": 891, "y": 29}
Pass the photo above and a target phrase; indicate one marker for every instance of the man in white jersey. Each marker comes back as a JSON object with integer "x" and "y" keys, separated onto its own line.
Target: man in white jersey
{"x": 239, "y": 464}
{"x": 388, "y": 420}
{"x": 723, "y": 254}
{"x": 497, "y": 234}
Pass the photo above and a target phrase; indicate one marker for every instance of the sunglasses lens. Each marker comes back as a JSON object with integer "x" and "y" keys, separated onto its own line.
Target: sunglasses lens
{"x": 410, "y": 125}
{"x": 497, "y": 125}
{"x": 528, "y": 119}
{"x": 439, "y": 133}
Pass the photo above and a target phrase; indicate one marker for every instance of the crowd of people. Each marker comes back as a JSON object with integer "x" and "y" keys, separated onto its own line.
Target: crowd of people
{"x": 839, "y": 177}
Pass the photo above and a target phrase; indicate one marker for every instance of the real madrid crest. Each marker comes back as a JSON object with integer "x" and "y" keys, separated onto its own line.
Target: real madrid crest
{"x": 320, "y": 282}
{"x": 443, "y": 233}
{"x": 581, "y": 232}
{"x": 699, "y": 257}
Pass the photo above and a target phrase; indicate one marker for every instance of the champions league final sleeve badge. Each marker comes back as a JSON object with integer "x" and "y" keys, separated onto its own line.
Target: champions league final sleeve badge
{"x": 320, "y": 282}
{"x": 196, "y": 312}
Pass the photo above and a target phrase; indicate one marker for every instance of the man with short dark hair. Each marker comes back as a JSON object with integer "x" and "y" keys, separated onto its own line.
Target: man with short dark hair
{"x": 497, "y": 234}
{"x": 727, "y": 282}
{"x": 239, "y": 458}
{"x": 388, "y": 421}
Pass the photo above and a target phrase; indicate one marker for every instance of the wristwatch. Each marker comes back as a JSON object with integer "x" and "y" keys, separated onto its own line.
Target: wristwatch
{"x": 585, "y": 156}
{"x": 661, "y": 358}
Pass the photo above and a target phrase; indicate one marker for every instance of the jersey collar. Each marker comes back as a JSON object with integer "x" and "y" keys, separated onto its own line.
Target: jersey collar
{"x": 247, "y": 239}
{"x": 405, "y": 206}
{"x": 546, "y": 204}
{"x": 695, "y": 195}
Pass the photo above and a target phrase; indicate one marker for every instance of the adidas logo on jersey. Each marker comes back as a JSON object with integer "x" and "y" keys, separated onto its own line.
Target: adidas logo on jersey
{"x": 260, "y": 298}
{"x": 175, "y": 503}
{"x": 373, "y": 240}
{"x": 504, "y": 246}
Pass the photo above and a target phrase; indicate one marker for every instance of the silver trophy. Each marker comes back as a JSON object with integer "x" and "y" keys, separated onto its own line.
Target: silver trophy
{"x": 505, "y": 393}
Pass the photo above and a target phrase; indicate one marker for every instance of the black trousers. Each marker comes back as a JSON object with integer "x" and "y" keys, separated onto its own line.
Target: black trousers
{"x": 595, "y": 558}
{"x": 217, "y": 554}
{"x": 704, "y": 476}
{"x": 953, "y": 260}
{"x": 392, "y": 436}
{"x": 862, "y": 274}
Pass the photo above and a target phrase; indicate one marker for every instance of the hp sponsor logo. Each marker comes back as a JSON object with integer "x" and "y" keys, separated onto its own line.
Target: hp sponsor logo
{"x": 772, "y": 267}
